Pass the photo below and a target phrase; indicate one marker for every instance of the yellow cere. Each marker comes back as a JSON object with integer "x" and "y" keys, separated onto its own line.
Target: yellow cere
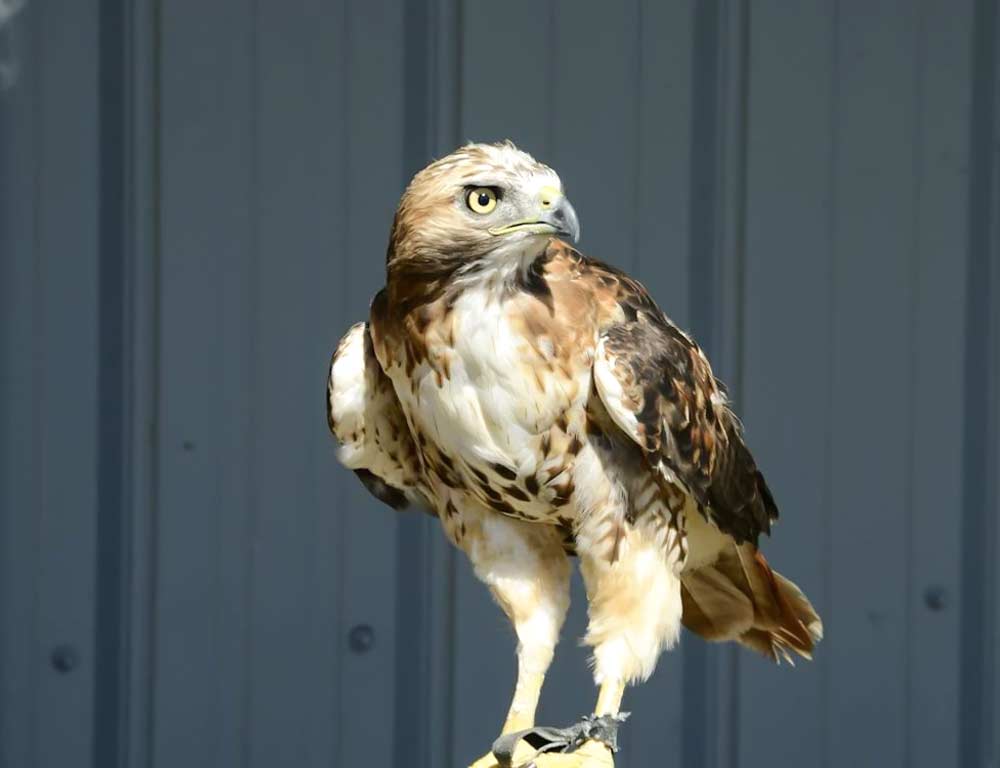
{"x": 548, "y": 195}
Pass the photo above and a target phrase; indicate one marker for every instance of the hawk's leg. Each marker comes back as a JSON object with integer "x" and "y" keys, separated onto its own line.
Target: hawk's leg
{"x": 633, "y": 587}
{"x": 526, "y": 569}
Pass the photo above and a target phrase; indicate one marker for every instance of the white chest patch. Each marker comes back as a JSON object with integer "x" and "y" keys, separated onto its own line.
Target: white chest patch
{"x": 501, "y": 392}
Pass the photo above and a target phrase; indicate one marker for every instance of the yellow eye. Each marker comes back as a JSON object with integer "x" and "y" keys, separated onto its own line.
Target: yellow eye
{"x": 481, "y": 200}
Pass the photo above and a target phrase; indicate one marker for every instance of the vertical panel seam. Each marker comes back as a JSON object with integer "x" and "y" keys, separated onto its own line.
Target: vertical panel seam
{"x": 918, "y": 51}
{"x": 156, "y": 239}
{"x": 991, "y": 226}
{"x": 702, "y": 213}
{"x": 992, "y": 491}
{"x": 739, "y": 262}
{"x": 34, "y": 18}
{"x": 693, "y": 679}
{"x": 433, "y": 543}
{"x": 637, "y": 81}
{"x": 992, "y": 666}
{"x": 740, "y": 183}
{"x": 833, "y": 159}
{"x": 456, "y": 126}
{"x": 342, "y": 515}
{"x": 977, "y": 656}
{"x": 111, "y": 464}
{"x": 252, "y": 275}
{"x": 411, "y": 732}
{"x": 551, "y": 20}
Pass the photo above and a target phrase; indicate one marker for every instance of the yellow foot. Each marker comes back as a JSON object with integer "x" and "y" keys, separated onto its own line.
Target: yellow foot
{"x": 591, "y": 754}
{"x": 522, "y": 753}
{"x": 486, "y": 761}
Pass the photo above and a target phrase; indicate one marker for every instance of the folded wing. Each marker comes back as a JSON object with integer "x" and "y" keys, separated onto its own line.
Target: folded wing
{"x": 659, "y": 389}
{"x": 364, "y": 415}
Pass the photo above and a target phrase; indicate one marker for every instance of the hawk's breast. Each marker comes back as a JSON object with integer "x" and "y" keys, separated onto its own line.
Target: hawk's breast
{"x": 495, "y": 390}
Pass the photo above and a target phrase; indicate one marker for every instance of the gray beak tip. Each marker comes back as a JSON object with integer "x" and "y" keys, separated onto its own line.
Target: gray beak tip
{"x": 564, "y": 217}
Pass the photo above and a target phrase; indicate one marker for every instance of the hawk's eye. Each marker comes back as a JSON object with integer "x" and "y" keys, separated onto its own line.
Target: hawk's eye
{"x": 481, "y": 200}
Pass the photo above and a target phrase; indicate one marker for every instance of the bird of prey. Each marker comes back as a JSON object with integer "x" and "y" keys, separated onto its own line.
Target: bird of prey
{"x": 542, "y": 406}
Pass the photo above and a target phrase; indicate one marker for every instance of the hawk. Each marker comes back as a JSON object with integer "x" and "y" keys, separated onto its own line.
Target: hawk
{"x": 541, "y": 405}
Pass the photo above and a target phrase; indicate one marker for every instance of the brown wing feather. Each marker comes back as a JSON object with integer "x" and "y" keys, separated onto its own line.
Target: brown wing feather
{"x": 659, "y": 387}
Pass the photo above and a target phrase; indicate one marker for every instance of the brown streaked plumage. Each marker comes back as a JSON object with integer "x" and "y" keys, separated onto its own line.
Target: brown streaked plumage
{"x": 540, "y": 403}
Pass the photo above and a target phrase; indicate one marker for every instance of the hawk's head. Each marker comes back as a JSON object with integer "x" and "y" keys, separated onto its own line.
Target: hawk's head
{"x": 482, "y": 200}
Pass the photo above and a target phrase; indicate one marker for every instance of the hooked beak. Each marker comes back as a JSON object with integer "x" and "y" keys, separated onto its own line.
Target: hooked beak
{"x": 556, "y": 217}
{"x": 558, "y": 213}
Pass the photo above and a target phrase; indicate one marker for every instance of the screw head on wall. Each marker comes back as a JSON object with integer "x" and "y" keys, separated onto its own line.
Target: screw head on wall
{"x": 64, "y": 659}
{"x": 936, "y": 598}
{"x": 361, "y": 638}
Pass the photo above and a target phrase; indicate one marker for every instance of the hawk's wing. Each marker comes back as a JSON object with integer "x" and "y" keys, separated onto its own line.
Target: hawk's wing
{"x": 658, "y": 387}
{"x": 365, "y": 416}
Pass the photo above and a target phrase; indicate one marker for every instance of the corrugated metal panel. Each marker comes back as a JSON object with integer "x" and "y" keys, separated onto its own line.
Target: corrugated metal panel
{"x": 280, "y": 156}
{"x": 857, "y": 209}
{"x": 49, "y": 272}
{"x": 809, "y": 188}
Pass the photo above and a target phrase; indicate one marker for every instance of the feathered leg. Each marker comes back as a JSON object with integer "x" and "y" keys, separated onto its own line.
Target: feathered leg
{"x": 527, "y": 571}
{"x": 631, "y": 571}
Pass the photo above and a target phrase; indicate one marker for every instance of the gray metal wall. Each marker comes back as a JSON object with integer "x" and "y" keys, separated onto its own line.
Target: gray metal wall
{"x": 194, "y": 204}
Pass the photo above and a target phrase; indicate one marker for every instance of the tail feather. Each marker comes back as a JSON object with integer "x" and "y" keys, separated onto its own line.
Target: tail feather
{"x": 713, "y": 606}
{"x": 739, "y": 597}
